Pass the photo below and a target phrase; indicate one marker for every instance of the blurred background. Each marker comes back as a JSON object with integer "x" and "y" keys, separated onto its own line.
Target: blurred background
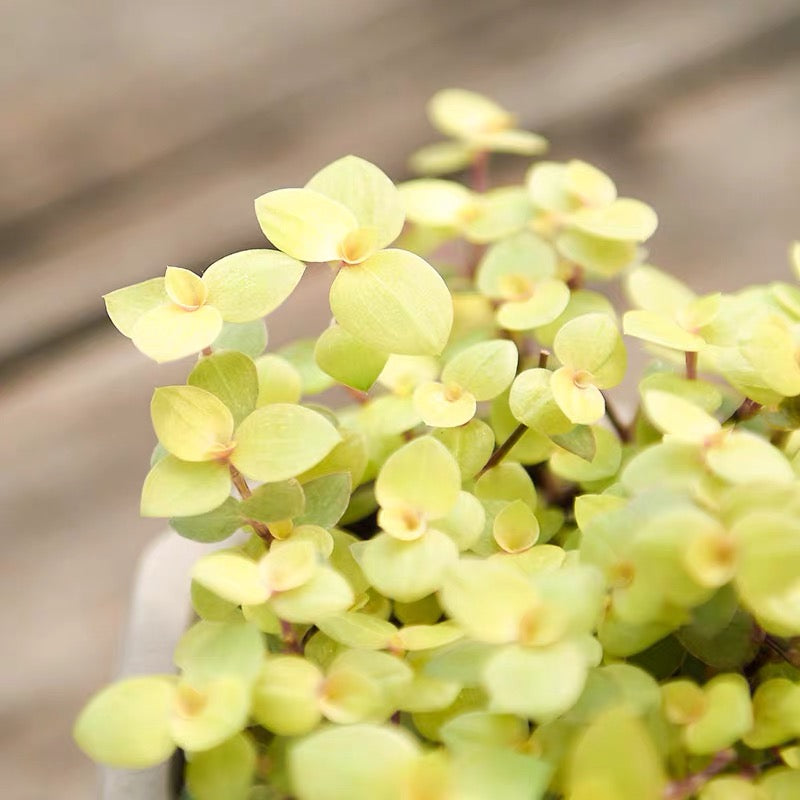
{"x": 136, "y": 135}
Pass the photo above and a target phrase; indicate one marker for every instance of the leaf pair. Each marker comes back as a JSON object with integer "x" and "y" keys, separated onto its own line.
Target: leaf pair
{"x": 182, "y": 313}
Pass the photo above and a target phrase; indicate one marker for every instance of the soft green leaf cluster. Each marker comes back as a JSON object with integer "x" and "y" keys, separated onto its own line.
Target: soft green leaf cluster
{"x": 471, "y": 577}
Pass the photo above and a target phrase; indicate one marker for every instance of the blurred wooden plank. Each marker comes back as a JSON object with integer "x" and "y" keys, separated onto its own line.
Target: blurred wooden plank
{"x": 194, "y": 204}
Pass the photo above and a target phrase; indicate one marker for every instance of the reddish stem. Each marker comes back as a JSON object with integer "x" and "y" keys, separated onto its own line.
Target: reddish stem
{"x": 691, "y": 366}
{"x": 691, "y": 784}
{"x": 479, "y": 172}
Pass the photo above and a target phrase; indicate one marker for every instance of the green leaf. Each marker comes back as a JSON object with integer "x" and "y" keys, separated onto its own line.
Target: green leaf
{"x": 506, "y": 482}
{"x": 210, "y": 650}
{"x": 577, "y": 397}
{"x": 444, "y": 406}
{"x": 192, "y": 423}
{"x": 591, "y": 343}
{"x": 304, "y": 224}
{"x": 523, "y": 255}
{"x": 367, "y": 192}
{"x": 327, "y": 498}
{"x": 579, "y": 441}
{"x": 653, "y": 290}
{"x": 485, "y": 369}
{"x": 233, "y": 577}
{"x": 278, "y": 381}
{"x": 743, "y": 457}
{"x": 545, "y": 303}
{"x": 169, "y": 332}
{"x": 727, "y": 649}
{"x": 436, "y": 203}
{"x": 224, "y": 771}
{"x": 326, "y": 593}
{"x": 532, "y": 403}
{"x": 285, "y": 696}
{"x": 175, "y": 488}
{"x": 596, "y": 771}
{"x": 658, "y": 329}
{"x": 300, "y": 354}
{"x": 125, "y": 306}
{"x": 272, "y": 502}
{"x": 603, "y": 464}
{"x": 126, "y": 724}
{"x": 465, "y": 114}
{"x": 249, "y": 338}
{"x": 471, "y": 445}
{"x": 522, "y": 143}
{"x": 539, "y": 683}
{"x": 727, "y": 716}
{"x": 422, "y": 476}
{"x": 440, "y": 158}
{"x": 347, "y": 359}
{"x": 395, "y": 302}
{"x": 602, "y": 257}
{"x": 624, "y": 219}
{"x": 496, "y": 214}
{"x": 464, "y": 523}
{"x": 247, "y": 285}
{"x": 213, "y": 526}
{"x": 499, "y": 772}
{"x": 280, "y": 441}
{"x": 352, "y": 762}
{"x": 184, "y": 288}
{"x": 231, "y": 376}
{"x": 515, "y": 527}
{"x": 407, "y": 570}
{"x": 678, "y": 417}
{"x": 359, "y": 630}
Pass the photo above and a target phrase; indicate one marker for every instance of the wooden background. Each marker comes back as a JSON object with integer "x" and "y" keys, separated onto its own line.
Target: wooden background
{"x": 136, "y": 134}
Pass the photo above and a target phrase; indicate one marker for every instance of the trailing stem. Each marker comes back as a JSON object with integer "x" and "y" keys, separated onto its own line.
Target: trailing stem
{"x": 503, "y": 450}
{"x": 623, "y": 430}
{"x": 691, "y": 784}
{"x": 691, "y": 365}
{"x": 244, "y": 492}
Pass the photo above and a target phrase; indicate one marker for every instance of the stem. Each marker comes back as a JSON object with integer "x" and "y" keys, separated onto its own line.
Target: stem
{"x": 688, "y": 786}
{"x": 576, "y": 279}
{"x": 207, "y": 351}
{"x": 543, "y": 356}
{"x": 691, "y": 365}
{"x": 358, "y": 396}
{"x": 479, "y": 172}
{"x": 502, "y": 451}
{"x": 749, "y": 408}
{"x": 244, "y": 492}
{"x": 291, "y": 643}
{"x": 623, "y": 430}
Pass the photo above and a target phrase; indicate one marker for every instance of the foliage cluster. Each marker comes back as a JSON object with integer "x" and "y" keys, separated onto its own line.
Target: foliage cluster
{"x": 471, "y": 578}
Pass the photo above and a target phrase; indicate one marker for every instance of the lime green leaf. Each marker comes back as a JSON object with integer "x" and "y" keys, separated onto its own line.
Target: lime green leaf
{"x": 209, "y": 650}
{"x": 579, "y": 400}
{"x": 700, "y": 393}
{"x": 359, "y": 630}
{"x": 233, "y": 577}
{"x": 471, "y": 445}
{"x": 524, "y": 255}
{"x": 440, "y": 158}
{"x": 464, "y": 114}
{"x": 426, "y": 637}
{"x": 213, "y": 526}
{"x": 175, "y": 488}
{"x": 603, "y": 464}
{"x": 125, "y": 306}
{"x": 436, "y": 203}
{"x": 326, "y": 593}
{"x": 579, "y": 441}
{"x": 232, "y": 377}
{"x": 249, "y": 338}
{"x": 387, "y": 415}
{"x": 589, "y": 184}
{"x": 347, "y": 359}
{"x": 624, "y": 219}
{"x": 169, "y": 332}
{"x": 225, "y": 771}
{"x": 350, "y": 456}
{"x": 546, "y": 185}
{"x": 280, "y": 441}
{"x": 602, "y": 257}
{"x": 482, "y": 772}
{"x": 465, "y": 522}
{"x": 781, "y": 783}
{"x": 395, "y": 302}
{"x": 278, "y": 381}
{"x": 127, "y": 723}
{"x": 192, "y": 423}
{"x": 327, "y": 498}
{"x": 484, "y": 728}
{"x": 582, "y": 301}
{"x": 285, "y": 697}
{"x": 422, "y": 475}
{"x": 184, "y": 288}
{"x": 727, "y": 715}
{"x": 743, "y": 457}
{"x": 300, "y": 354}
{"x": 658, "y": 329}
{"x": 532, "y": 403}
{"x": 506, "y": 482}
{"x": 591, "y": 342}
{"x": 515, "y": 528}
{"x": 732, "y": 787}
{"x": 735, "y": 645}
{"x": 547, "y": 301}
{"x": 596, "y": 772}
{"x": 305, "y": 224}
{"x": 247, "y": 285}
{"x": 276, "y": 501}
{"x": 206, "y": 716}
{"x": 324, "y": 766}
{"x": 678, "y": 417}
{"x": 407, "y": 570}
{"x": 770, "y": 347}
{"x": 364, "y": 189}
{"x": 498, "y": 213}
{"x": 776, "y": 709}
{"x": 522, "y": 143}
{"x": 485, "y": 369}
{"x": 539, "y": 683}
{"x": 653, "y": 290}
{"x": 402, "y": 374}
{"x": 445, "y": 406}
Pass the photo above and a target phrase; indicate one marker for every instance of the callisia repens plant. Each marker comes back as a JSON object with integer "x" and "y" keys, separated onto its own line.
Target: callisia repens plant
{"x": 468, "y": 576}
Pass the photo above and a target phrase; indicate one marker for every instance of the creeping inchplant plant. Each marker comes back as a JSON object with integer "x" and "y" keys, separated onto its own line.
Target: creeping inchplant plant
{"x": 468, "y": 576}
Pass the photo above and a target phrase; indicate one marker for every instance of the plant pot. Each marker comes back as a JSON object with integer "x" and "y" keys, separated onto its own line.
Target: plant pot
{"x": 160, "y": 612}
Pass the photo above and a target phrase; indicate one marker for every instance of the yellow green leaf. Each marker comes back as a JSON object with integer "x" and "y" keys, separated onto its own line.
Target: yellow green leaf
{"x": 224, "y": 771}
{"x": 532, "y": 402}
{"x": 434, "y": 202}
{"x": 658, "y": 329}
{"x": 521, "y": 143}
{"x": 470, "y": 444}
{"x": 547, "y": 187}
{"x": 125, "y": 306}
{"x": 249, "y": 338}
{"x": 651, "y": 289}
{"x": 285, "y": 696}
{"x": 464, "y": 114}
{"x": 280, "y": 441}
{"x": 591, "y": 342}
{"x": 678, "y": 417}
{"x": 175, "y": 488}
{"x": 247, "y": 285}
{"x": 444, "y": 405}
{"x": 184, "y": 288}
{"x": 525, "y": 255}
{"x": 231, "y": 376}
{"x": 485, "y": 369}
{"x": 589, "y": 184}
{"x": 440, "y": 158}
{"x": 515, "y": 528}
{"x": 326, "y": 593}
{"x": 602, "y": 257}
{"x": 580, "y": 400}
{"x": 192, "y": 423}
{"x": 742, "y": 457}
{"x": 348, "y": 359}
{"x": 169, "y": 332}
{"x": 395, "y": 302}
{"x": 126, "y": 724}
{"x": 625, "y": 219}
{"x": 278, "y": 381}
{"x": 497, "y": 213}
{"x": 546, "y": 302}
{"x": 305, "y": 224}
{"x": 231, "y": 576}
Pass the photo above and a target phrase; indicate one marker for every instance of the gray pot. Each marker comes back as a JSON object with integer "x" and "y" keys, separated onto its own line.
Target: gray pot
{"x": 160, "y": 613}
